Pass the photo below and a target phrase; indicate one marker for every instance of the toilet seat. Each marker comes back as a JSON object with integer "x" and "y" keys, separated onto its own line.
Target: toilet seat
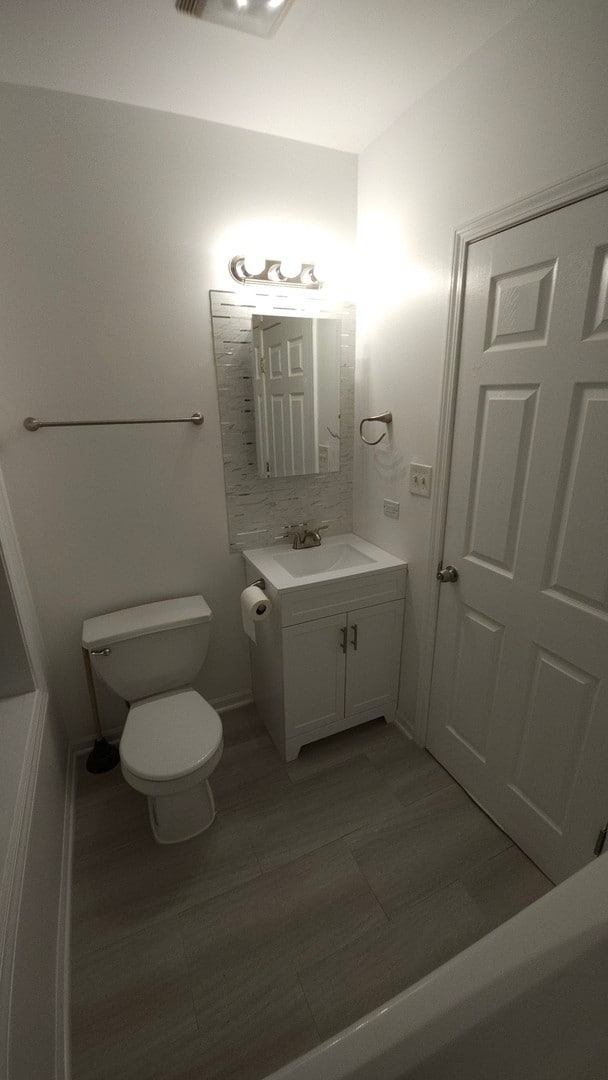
{"x": 170, "y": 742}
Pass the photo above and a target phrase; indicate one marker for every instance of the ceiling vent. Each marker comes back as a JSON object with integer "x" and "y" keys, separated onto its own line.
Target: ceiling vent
{"x": 259, "y": 17}
{"x": 191, "y": 7}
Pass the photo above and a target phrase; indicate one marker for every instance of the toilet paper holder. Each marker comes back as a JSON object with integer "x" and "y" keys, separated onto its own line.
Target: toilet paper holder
{"x": 261, "y": 584}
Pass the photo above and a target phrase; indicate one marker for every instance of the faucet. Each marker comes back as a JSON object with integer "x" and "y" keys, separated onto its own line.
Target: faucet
{"x": 303, "y": 537}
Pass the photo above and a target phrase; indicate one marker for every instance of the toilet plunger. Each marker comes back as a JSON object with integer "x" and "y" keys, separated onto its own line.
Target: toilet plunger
{"x": 104, "y": 755}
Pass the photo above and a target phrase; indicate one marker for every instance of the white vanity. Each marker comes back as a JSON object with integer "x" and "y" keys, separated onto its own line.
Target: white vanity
{"x": 328, "y": 655}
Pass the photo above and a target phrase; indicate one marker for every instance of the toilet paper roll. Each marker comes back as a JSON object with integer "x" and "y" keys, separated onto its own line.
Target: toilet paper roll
{"x": 255, "y": 606}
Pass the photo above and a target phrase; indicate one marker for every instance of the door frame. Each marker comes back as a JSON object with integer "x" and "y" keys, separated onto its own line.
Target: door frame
{"x": 581, "y": 186}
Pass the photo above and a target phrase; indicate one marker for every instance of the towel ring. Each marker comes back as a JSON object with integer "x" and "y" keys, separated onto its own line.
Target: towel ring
{"x": 382, "y": 418}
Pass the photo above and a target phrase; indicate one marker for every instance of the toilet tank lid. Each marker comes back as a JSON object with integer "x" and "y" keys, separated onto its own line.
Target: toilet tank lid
{"x": 144, "y": 619}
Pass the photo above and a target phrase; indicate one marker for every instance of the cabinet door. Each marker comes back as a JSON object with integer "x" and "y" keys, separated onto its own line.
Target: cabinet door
{"x": 314, "y": 665}
{"x": 374, "y": 657}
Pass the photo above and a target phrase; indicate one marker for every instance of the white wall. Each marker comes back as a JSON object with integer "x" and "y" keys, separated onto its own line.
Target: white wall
{"x": 529, "y": 109}
{"x": 115, "y": 221}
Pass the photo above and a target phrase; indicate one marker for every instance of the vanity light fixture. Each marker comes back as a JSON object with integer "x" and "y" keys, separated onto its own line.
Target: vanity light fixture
{"x": 259, "y": 17}
{"x": 248, "y": 270}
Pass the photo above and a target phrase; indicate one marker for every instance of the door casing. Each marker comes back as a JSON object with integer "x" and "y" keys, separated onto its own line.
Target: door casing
{"x": 581, "y": 186}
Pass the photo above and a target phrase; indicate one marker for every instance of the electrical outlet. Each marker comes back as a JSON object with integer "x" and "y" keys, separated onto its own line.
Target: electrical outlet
{"x": 323, "y": 458}
{"x": 420, "y": 479}
{"x": 391, "y": 509}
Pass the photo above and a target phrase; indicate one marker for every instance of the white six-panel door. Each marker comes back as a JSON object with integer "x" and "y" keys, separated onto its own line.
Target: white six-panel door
{"x": 519, "y": 705}
{"x": 289, "y": 389}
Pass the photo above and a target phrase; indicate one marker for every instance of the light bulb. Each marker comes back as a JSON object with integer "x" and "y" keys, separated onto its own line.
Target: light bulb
{"x": 275, "y": 3}
{"x": 290, "y": 268}
{"x": 254, "y": 264}
{"x": 242, "y": 3}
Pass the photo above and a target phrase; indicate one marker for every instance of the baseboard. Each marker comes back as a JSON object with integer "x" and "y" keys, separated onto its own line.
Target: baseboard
{"x": 403, "y": 726}
{"x": 63, "y": 1069}
{"x": 11, "y": 887}
{"x": 232, "y": 701}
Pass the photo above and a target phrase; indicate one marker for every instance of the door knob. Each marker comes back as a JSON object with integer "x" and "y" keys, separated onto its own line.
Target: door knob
{"x": 449, "y": 573}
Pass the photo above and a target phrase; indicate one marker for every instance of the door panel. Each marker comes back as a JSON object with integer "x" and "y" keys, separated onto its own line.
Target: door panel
{"x": 372, "y": 680}
{"x": 519, "y": 703}
{"x": 314, "y": 670}
{"x": 289, "y": 386}
{"x": 474, "y": 680}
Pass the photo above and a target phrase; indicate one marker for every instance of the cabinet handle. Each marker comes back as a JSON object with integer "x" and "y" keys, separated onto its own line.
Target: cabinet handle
{"x": 343, "y": 644}
{"x": 355, "y": 636}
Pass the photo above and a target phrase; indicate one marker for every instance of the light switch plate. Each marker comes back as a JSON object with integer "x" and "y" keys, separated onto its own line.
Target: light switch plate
{"x": 391, "y": 509}
{"x": 421, "y": 477}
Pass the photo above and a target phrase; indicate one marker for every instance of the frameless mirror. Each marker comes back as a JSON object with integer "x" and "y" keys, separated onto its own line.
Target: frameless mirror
{"x": 283, "y": 370}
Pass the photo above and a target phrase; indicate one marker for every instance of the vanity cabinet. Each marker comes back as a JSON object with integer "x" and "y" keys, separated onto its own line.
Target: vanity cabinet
{"x": 340, "y": 671}
{"x": 328, "y": 655}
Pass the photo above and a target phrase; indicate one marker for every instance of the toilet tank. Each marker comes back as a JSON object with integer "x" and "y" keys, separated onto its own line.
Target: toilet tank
{"x": 145, "y": 650}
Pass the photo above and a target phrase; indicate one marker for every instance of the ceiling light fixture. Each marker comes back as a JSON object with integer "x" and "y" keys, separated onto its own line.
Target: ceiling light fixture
{"x": 251, "y": 271}
{"x": 259, "y": 17}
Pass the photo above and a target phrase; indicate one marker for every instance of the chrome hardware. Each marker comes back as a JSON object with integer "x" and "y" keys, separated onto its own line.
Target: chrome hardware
{"x": 450, "y": 573}
{"x": 101, "y": 652}
{"x": 344, "y": 643}
{"x": 261, "y": 584}
{"x": 601, "y": 840}
{"x": 355, "y": 629}
{"x": 298, "y": 532}
{"x": 303, "y": 537}
{"x": 32, "y": 424}
{"x": 381, "y": 418}
{"x": 312, "y": 537}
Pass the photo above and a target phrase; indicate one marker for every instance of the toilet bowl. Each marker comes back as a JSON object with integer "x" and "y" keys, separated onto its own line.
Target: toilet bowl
{"x": 172, "y": 740}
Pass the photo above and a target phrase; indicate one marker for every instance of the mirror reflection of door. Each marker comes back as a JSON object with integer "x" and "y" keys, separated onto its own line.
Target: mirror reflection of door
{"x": 285, "y": 394}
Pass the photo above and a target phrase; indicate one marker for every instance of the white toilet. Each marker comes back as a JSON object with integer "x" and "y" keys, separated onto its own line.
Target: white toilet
{"x": 172, "y": 739}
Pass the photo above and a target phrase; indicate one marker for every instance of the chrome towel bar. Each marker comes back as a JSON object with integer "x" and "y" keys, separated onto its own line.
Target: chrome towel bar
{"x": 32, "y": 424}
{"x": 381, "y": 418}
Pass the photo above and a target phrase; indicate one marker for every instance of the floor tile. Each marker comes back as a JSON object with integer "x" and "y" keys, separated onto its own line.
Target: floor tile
{"x": 270, "y": 1030}
{"x": 129, "y": 999}
{"x": 241, "y": 725}
{"x": 317, "y": 756}
{"x": 410, "y": 772}
{"x": 138, "y": 883}
{"x": 248, "y": 770}
{"x": 384, "y": 961}
{"x": 505, "y": 885}
{"x": 317, "y": 811}
{"x": 239, "y": 944}
{"x": 430, "y": 844}
{"x": 110, "y": 813}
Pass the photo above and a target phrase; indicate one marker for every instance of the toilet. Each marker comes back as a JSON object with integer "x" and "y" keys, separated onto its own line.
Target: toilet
{"x": 172, "y": 740}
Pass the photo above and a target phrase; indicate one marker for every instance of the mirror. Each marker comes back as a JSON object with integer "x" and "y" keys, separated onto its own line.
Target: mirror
{"x": 279, "y": 380}
{"x": 295, "y": 364}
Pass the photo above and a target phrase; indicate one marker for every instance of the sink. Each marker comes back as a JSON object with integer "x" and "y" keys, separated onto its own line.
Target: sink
{"x": 319, "y": 560}
{"x": 337, "y": 558}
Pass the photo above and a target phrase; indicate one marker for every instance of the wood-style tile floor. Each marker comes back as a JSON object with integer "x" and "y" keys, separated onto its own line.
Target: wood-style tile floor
{"x": 324, "y": 887}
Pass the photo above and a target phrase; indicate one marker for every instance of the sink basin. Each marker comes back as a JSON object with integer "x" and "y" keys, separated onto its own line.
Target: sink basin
{"x": 319, "y": 560}
{"x": 337, "y": 558}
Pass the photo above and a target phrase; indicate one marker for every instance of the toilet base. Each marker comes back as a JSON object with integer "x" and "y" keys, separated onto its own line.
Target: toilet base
{"x": 180, "y": 817}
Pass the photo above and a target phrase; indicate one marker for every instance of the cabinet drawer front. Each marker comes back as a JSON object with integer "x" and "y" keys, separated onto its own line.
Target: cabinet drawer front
{"x": 333, "y": 597}
{"x": 314, "y": 666}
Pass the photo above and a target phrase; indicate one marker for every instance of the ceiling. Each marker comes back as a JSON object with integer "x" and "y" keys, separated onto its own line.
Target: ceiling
{"x": 337, "y": 72}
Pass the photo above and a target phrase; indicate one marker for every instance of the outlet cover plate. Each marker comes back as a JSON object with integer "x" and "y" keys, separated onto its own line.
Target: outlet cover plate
{"x": 421, "y": 478}
{"x": 391, "y": 509}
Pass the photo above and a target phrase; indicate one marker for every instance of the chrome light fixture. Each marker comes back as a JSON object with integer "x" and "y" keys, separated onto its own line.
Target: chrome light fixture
{"x": 259, "y": 17}
{"x": 253, "y": 271}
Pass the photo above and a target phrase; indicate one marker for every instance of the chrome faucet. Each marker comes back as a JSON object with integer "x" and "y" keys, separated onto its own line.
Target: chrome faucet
{"x": 303, "y": 537}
